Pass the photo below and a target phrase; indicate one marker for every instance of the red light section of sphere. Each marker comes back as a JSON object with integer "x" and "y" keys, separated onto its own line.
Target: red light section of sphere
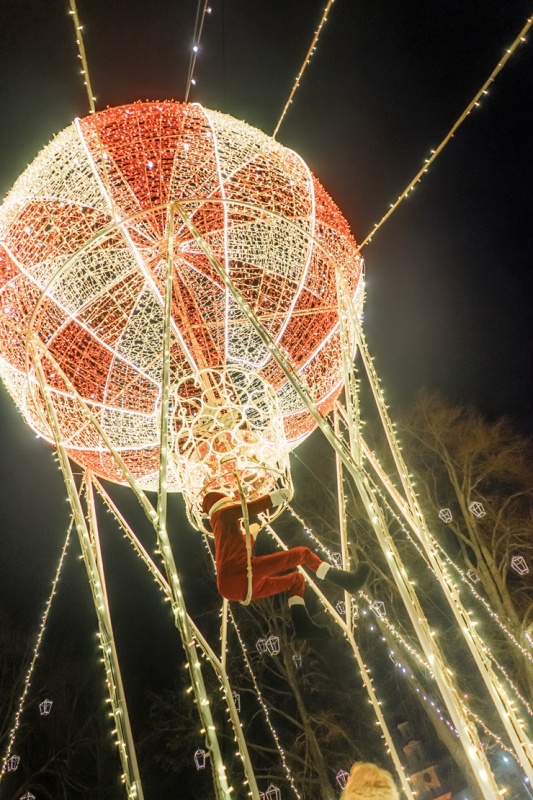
{"x": 83, "y": 245}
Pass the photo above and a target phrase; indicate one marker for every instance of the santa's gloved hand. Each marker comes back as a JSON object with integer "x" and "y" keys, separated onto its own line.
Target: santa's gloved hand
{"x": 254, "y": 529}
{"x": 279, "y": 496}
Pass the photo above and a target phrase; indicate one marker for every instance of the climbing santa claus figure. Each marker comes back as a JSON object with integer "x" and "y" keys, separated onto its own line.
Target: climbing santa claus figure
{"x": 243, "y": 576}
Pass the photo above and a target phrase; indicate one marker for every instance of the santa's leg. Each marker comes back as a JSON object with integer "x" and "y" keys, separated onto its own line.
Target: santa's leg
{"x": 294, "y": 584}
{"x": 351, "y": 581}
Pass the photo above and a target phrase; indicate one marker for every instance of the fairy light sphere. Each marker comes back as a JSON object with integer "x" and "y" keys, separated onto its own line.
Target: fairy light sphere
{"x": 84, "y": 243}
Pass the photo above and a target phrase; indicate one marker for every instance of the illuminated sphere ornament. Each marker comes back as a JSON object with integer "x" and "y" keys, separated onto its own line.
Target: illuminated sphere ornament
{"x": 86, "y": 236}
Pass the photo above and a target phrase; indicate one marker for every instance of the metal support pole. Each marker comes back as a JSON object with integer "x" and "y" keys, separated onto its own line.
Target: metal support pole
{"x": 217, "y": 664}
{"x": 503, "y": 704}
{"x": 93, "y": 565}
{"x": 367, "y": 681}
{"x": 467, "y": 733}
{"x": 220, "y": 780}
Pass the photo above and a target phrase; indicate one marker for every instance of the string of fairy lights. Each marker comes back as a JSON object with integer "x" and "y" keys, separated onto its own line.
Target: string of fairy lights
{"x": 261, "y": 700}
{"x": 78, "y": 30}
{"x": 425, "y": 698}
{"x": 476, "y": 594}
{"x": 264, "y": 707}
{"x": 205, "y": 651}
{"x": 436, "y": 544}
{"x": 203, "y": 9}
{"x": 401, "y": 639}
{"x": 40, "y": 635}
{"x": 372, "y": 606}
{"x": 434, "y": 154}
{"x": 379, "y": 610}
{"x": 307, "y": 59}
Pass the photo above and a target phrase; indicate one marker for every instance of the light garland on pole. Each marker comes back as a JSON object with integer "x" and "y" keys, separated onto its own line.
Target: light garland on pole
{"x": 29, "y": 674}
{"x": 198, "y": 28}
{"x": 305, "y": 64}
{"x": 468, "y": 579}
{"x": 474, "y": 103}
{"x": 264, "y": 707}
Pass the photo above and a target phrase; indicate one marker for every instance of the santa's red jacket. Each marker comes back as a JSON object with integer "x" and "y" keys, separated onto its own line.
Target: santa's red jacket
{"x": 231, "y": 558}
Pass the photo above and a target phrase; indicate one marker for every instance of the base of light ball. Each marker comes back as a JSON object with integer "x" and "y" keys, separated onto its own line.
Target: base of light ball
{"x": 245, "y": 485}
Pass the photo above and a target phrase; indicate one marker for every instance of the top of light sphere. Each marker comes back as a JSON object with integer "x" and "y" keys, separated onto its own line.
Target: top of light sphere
{"x": 84, "y": 239}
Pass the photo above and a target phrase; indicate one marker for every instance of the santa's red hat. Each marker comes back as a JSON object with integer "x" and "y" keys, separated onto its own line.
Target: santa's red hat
{"x": 211, "y": 498}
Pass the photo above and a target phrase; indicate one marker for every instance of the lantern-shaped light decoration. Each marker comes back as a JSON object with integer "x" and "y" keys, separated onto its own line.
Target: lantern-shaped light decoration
{"x": 336, "y": 560}
{"x": 355, "y": 608}
{"x": 520, "y": 565}
{"x": 45, "y": 707}
{"x": 342, "y": 777}
{"x": 199, "y": 759}
{"x": 297, "y": 660}
{"x": 261, "y": 645}
{"x": 378, "y": 607}
{"x": 477, "y": 509}
{"x": 446, "y": 515}
{"x": 341, "y": 607}
{"x": 273, "y": 793}
{"x": 28, "y": 796}
{"x": 473, "y": 576}
{"x": 237, "y": 700}
{"x": 272, "y": 645}
{"x": 13, "y": 763}
{"x": 393, "y": 658}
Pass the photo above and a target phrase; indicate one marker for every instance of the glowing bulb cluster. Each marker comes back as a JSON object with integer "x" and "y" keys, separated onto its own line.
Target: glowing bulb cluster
{"x": 85, "y": 235}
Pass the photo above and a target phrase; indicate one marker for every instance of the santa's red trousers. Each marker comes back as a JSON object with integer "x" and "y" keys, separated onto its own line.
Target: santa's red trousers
{"x": 232, "y": 561}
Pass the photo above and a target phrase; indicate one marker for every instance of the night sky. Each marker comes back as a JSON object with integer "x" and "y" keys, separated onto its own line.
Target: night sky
{"x": 449, "y": 277}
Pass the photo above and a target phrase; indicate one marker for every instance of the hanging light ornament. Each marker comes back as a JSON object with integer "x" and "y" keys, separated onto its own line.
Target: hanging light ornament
{"x": 28, "y": 796}
{"x": 342, "y": 778}
{"x": 473, "y": 576}
{"x": 273, "y": 793}
{"x": 519, "y": 564}
{"x": 445, "y": 515}
{"x": 297, "y": 660}
{"x": 13, "y": 763}
{"x": 261, "y": 646}
{"x": 336, "y": 560}
{"x": 477, "y": 509}
{"x": 272, "y": 645}
{"x": 45, "y": 707}
{"x": 378, "y": 607}
{"x": 199, "y": 759}
{"x": 237, "y": 700}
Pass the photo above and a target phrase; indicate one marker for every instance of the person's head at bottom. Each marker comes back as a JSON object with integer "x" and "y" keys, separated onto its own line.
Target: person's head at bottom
{"x": 369, "y": 782}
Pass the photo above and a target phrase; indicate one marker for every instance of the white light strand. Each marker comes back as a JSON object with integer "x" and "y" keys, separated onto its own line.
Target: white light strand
{"x": 307, "y": 59}
{"x": 493, "y": 615}
{"x": 264, "y": 707}
{"x": 81, "y": 55}
{"x": 414, "y": 652}
{"x": 29, "y": 674}
{"x": 512, "y": 638}
{"x": 474, "y": 103}
{"x": 198, "y": 27}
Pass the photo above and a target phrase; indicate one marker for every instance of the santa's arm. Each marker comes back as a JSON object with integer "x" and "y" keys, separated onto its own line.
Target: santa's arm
{"x": 233, "y": 513}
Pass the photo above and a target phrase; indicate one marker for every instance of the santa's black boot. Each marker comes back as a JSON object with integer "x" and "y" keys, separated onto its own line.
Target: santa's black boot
{"x": 304, "y": 627}
{"x": 351, "y": 582}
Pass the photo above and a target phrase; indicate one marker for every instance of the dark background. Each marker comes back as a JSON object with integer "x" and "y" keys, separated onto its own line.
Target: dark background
{"x": 448, "y": 276}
